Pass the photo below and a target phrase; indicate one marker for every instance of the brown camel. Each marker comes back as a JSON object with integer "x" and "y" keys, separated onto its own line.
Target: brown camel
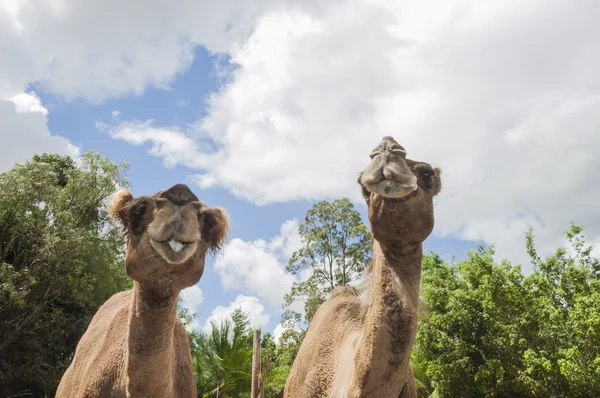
{"x": 360, "y": 346}
{"x": 135, "y": 346}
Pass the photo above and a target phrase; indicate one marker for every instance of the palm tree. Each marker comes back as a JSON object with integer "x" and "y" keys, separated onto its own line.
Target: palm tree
{"x": 222, "y": 358}
{"x": 425, "y": 386}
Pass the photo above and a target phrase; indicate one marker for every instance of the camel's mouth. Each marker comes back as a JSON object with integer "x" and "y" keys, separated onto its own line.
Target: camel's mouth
{"x": 174, "y": 251}
{"x": 176, "y": 245}
{"x": 393, "y": 189}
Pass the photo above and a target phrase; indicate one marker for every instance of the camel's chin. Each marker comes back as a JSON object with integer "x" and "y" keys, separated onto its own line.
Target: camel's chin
{"x": 174, "y": 252}
{"x": 392, "y": 189}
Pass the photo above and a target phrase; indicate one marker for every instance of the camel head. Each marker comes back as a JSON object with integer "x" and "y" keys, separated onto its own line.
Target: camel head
{"x": 399, "y": 193}
{"x": 168, "y": 234}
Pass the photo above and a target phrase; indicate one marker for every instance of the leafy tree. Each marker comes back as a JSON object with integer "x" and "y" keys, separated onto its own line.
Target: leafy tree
{"x": 336, "y": 247}
{"x": 470, "y": 340}
{"x": 277, "y": 361}
{"x": 222, "y": 359}
{"x": 490, "y": 331}
{"x": 60, "y": 259}
{"x": 564, "y": 357}
{"x": 425, "y": 387}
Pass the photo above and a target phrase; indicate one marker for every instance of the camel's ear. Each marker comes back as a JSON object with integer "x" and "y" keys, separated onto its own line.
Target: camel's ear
{"x": 119, "y": 204}
{"x": 438, "y": 180}
{"x": 215, "y": 226}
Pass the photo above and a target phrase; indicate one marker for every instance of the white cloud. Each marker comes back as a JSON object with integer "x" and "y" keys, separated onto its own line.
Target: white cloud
{"x": 174, "y": 146}
{"x": 192, "y": 298}
{"x": 501, "y": 95}
{"x": 258, "y": 267}
{"x": 102, "y": 49}
{"x": 250, "y": 305}
{"x": 279, "y": 330}
{"x": 24, "y": 132}
{"x": 28, "y": 103}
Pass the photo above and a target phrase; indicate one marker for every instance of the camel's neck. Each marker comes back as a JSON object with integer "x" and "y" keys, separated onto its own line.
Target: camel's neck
{"x": 152, "y": 319}
{"x": 390, "y": 324}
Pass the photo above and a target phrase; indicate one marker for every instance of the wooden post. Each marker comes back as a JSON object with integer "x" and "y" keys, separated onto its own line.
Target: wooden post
{"x": 255, "y": 392}
{"x": 261, "y": 386}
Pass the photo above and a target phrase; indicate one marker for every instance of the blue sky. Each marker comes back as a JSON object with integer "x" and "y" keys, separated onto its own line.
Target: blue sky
{"x": 292, "y": 95}
{"x": 183, "y": 103}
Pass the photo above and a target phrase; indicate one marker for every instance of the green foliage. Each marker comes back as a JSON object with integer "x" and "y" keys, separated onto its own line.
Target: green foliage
{"x": 485, "y": 329}
{"x": 60, "y": 259}
{"x": 418, "y": 367}
{"x": 222, "y": 359}
{"x": 565, "y": 312}
{"x": 277, "y": 361}
{"x": 490, "y": 331}
{"x": 336, "y": 247}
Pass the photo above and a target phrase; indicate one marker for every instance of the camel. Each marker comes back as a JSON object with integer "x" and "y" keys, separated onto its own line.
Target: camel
{"x": 360, "y": 346}
{"x": 135, "y": 345}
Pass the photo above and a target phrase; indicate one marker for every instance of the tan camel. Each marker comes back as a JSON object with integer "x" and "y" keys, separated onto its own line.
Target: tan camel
{"x": 360, "y": 346}
{"x": 135, "y": 346}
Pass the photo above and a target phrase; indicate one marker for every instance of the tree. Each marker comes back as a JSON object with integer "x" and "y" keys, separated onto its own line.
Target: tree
{"x": 336, "y": 247}
{"x": 60, "y": 259}
{"x": 277, "y": 361}
{"x": 470, "y": 340}
{"x": 490, "y": 331}
{"x": 222, "y": 358}
{"x": 564, "y": 357}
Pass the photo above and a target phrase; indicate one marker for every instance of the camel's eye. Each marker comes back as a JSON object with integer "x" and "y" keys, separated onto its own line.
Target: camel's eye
{"x": 426, "y": 177}
{"x": 426, "y": 173}
{"x": 138, "y": 213}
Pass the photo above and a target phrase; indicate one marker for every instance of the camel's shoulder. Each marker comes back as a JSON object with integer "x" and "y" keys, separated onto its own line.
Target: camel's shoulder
{"x": 99, "y": 356}
{"x": 118, "y": 302}
{"x": 114, "y": 313}
{"x": 343, "y": 306}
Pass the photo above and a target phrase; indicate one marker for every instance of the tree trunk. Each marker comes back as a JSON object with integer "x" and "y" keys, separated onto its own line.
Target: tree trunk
{"x": 255, "y": 392}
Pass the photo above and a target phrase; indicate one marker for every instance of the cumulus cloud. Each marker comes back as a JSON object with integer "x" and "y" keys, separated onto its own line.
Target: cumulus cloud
{"x": 502, "y": 95}
{"x": 258, "y": 267}
{"x": 102, "y": 49}
{"x": 280, "y": 330}
{"x": 24, "y": 132}
{"x": 250, "y": 305}
{"x": 172, "y": 145}
{"x": 28, "y": 103}
{"x": 192, "y": 298}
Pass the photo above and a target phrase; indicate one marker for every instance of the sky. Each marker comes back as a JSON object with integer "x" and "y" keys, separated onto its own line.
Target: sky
{"x": 266, "y": 107}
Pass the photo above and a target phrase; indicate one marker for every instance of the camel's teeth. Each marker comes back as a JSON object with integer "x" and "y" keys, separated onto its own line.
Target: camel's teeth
{"x": 176, "y": 245}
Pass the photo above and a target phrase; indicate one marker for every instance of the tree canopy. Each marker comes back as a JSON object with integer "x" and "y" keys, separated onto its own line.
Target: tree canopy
{"x": 60, "y": 259}
{"x": 488, "y": 330}
{"x": 485, "y": 328}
